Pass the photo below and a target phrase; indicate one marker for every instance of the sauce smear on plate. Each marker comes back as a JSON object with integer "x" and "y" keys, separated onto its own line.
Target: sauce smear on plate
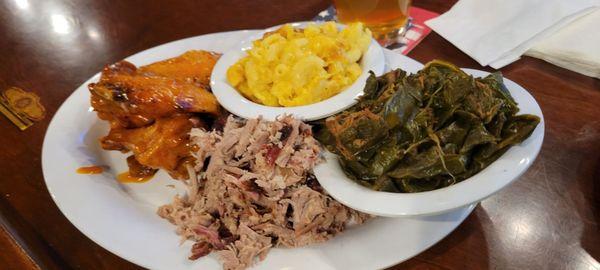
{"x": 90, "y": 170}
{"x": 125, "y": 177}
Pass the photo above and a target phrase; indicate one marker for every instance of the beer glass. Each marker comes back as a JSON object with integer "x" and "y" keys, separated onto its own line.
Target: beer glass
{"x": 387, "y": 19}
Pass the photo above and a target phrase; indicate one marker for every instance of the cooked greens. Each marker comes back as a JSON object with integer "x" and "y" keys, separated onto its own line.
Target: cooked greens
{"x": 424, "y": 131}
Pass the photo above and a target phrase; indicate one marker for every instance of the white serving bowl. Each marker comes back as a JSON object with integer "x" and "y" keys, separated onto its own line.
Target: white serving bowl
{"x": 233, "y": 101}
{"x": 510, "y": 166}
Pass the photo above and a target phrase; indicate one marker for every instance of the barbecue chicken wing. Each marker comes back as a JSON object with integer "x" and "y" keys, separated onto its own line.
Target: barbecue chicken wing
{"x": 164, "y": 144}
{"x": 192, "y": 66}
{"x": 130, "y": 97}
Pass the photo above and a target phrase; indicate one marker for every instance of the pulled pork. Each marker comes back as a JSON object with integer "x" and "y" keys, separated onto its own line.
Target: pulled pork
{"x": 251, "y": 189}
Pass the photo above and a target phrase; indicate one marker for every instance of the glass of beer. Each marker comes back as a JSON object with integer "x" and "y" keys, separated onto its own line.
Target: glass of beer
{"x": 387, "y": 19}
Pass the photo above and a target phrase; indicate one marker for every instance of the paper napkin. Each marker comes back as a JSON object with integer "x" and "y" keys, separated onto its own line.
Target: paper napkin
{"x": 575, "y": 47}
{"x": 498, "y": 32}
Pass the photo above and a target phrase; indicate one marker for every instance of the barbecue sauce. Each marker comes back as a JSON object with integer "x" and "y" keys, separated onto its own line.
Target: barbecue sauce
{"x": 90, "y": 170}
{"x": 125, "y": 177}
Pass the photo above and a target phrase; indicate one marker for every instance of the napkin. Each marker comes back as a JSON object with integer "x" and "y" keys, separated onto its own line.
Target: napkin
{"x": 575, "y": 47}
{"x": 498, "y": 32}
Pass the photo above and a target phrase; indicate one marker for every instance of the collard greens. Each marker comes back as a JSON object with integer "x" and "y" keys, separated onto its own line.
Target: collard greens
{"x": 424, "y": 131}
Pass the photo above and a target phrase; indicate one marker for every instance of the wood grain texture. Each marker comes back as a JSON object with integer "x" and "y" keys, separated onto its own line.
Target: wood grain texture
{"x": 12, "y": 255}
{"x": 548, "y": 219}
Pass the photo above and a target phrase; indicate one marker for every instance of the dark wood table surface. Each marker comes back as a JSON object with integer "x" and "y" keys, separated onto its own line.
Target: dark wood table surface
{"x": 547, "y": 219}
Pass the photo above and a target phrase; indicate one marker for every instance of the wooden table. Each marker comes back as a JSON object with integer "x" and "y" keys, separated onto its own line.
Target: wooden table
{"x": 548, "y": 219}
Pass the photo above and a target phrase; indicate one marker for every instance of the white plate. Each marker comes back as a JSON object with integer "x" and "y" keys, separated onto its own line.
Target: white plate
{"x": 122, "y": 218}
{"x": 234, "y": 102}
{"x": 499, "y": 174}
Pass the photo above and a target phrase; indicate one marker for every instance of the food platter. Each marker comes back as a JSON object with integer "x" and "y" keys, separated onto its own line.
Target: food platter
{"x": 122, "y": 217}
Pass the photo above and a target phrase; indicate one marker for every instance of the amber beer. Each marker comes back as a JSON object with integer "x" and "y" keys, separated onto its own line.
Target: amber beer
{"x": 385, "y": 18}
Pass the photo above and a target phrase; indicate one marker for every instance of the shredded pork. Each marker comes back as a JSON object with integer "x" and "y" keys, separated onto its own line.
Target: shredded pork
{"x": 252, "y": 189}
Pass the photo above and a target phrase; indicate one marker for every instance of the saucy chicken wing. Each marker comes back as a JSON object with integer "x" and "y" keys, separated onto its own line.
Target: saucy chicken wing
{"x": 164, "y": 144}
